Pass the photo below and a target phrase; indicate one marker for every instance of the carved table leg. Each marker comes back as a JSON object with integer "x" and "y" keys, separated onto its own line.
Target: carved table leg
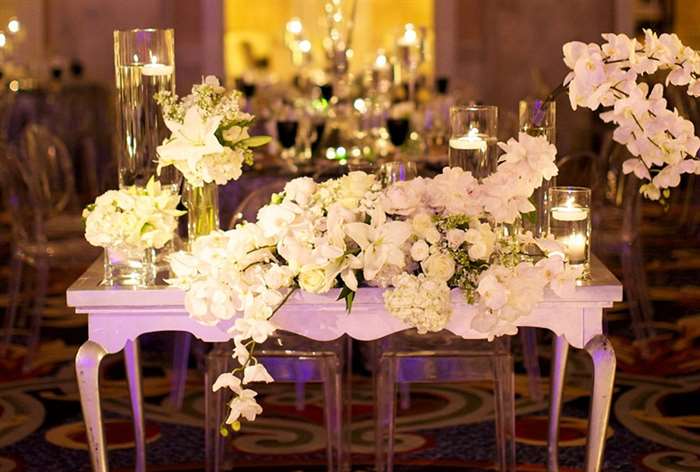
{"x": 133, "y": 374}
{"x": 557, "y": 375}
{"x": 603, "y": 355}
{"x": 87, "y": 369}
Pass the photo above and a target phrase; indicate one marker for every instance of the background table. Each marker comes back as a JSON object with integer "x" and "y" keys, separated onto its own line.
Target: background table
{"x": 117, "y": 316}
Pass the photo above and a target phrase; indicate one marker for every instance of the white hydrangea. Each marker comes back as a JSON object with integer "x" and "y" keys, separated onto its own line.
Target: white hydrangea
{"x": 133, "y": 219}
{"x": 419, "y": 301}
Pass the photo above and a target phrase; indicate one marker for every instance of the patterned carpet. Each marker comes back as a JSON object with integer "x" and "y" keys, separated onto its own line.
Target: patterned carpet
{"x": 654, "y": 425}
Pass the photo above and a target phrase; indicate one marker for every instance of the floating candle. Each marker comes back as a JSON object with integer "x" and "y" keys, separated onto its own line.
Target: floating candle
{"x": 470, "y": 141}
{"x": 154, "y": 68}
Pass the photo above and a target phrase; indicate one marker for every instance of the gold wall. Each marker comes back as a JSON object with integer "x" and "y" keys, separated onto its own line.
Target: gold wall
{"x": 261, "y": 23}
{"x": 686, "y": 22}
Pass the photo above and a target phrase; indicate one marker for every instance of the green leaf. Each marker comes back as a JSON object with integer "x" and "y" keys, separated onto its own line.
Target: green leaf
{"x": 256, "y": 141}
{"x": 530, "y": 217}
{"x": 349, "y": 296}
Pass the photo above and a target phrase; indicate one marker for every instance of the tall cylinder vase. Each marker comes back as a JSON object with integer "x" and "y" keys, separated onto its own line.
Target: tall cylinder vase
{"x": 538, "y": 118}
{"x": 144, "y": 64}
{"x": 202, "y": 205}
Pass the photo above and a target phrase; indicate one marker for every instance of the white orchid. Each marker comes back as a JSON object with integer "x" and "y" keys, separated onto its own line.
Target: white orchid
{"x": 256, "y": 373}
{"x": 608, "y": 75}
{"x": 243, "y": 405}
{"x": 379, "y": 244}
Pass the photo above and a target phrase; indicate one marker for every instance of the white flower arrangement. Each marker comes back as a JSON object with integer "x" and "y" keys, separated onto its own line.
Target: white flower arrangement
{"x": 133, "y": 218}
{"x": 209, "y": 139}
{"x": 418, "y": 238}
{"x": 663, "y": 142}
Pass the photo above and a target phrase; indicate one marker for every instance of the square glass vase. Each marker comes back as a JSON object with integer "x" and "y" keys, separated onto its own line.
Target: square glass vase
{"x": 129, "y": 268}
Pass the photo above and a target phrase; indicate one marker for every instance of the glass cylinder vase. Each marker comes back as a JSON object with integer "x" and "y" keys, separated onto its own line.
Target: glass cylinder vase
{"x": 473, "y": 137}
{"x": 144, "y": 64}
{"x": 570, "y": 223}
{"x": 202, "y": 205}
{"x": 538, "y": 118}
{"x": 128, "y": 267}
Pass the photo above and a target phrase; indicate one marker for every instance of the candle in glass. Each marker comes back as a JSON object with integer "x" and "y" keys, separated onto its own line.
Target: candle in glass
{"x": 144, "y": 62}
{"x": 473, "y": 132}
{"x": 570, "y": 222}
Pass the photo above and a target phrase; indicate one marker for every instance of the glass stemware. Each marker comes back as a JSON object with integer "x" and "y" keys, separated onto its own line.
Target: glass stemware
{"x": 397, "y": 171}
{"x": 398, "y": 130}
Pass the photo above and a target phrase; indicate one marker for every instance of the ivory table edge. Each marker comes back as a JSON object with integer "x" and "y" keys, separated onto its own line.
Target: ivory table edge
{"x": 117, "y": 316}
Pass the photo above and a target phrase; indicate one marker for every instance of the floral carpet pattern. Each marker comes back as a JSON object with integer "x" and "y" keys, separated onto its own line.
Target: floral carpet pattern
{"x": 654, "y": 424}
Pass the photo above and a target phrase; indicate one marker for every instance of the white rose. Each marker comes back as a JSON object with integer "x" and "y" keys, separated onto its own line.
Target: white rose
{"x": 419, "y": 250}
{"x": 278, "y": 276}
{"x": 423, "y": 227}
{"x": 353, "y": 188}
{"x": 275, "y": 219}
{"x": 403, "y": 198}
{"x": 300, "y": 190}
{"x": 439, "y": 266}
{"x": 313, "y": 279}
{"x": 455, "y": 238}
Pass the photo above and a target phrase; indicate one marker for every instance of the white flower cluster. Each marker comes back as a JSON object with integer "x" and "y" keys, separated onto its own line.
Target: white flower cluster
{"x": 418, "y": 238}
{"x": 663, "y": 142}
{"x": 420, "y": 301}
{"x": 209, "y": 139}
{"x": 132, "y": 219}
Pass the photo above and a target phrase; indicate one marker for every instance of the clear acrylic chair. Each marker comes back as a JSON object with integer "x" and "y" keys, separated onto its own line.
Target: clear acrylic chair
{"x": 442, "y": 358}
{"x": 289, "y": 359}
{"x": 617, "y": 223}
{"x": 34, "y": 246}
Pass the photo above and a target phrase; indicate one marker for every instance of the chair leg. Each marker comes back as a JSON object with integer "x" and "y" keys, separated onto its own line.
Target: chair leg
{"x": 218, "y": 361}
{"x": 13, "y": 303}
{"x": 385, "y": 414}
{"x": 556, "y": 388}
{"x": 333, "y": 404}
{"x": 299, "y": 396}
{"x": 133, "y": 374}
{"x": 528, "y": 336}
{"x": 504, "y": 412}
{"x": 405, "y": 395}
{"x": 42, "y": 280}
{"x": 181, "y": 355}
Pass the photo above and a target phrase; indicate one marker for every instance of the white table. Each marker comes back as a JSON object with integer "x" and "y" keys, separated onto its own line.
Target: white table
{"x": 117, "y": 316}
